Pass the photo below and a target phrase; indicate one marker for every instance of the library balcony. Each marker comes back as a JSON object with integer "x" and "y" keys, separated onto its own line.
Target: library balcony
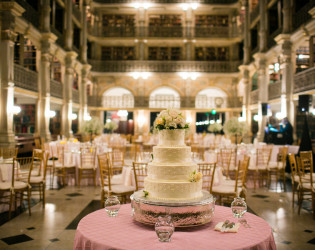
{"x": 25, "y": 78}
{"x": 165, "y": 66}
{"x": 169, "y": 1}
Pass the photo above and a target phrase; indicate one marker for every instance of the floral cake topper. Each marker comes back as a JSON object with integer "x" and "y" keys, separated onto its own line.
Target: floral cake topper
{"x": 171, "y": 119}
{"x": 195, "y": 176}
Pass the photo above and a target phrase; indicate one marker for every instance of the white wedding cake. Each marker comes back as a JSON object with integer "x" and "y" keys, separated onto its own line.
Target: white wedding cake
{"x": 172, "y": 175}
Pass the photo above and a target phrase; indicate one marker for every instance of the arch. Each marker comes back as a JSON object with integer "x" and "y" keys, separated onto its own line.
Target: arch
{"x": 160, "y": 85}
{"x": 164, "y": 97}
{"x": 118, "y": 97}
{"x": 211, "y": 97}
{"x": 115, "y": 85}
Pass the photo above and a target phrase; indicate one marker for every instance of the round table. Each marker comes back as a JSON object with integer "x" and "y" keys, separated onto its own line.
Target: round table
{"x": 98, "y": 231}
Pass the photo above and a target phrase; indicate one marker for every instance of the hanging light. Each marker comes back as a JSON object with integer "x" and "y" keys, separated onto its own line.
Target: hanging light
{"x": 74, "y": 116}
{"x": 16, "y": 109}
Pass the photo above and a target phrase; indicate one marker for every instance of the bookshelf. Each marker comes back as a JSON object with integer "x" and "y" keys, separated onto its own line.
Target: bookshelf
{"x": 165, "y": 53}
{"x": 118, "y": 53}
{"x": 211, "y": 20}
{"x": 212, "y": 53}
{"x": 56, "y": 70}
{"x": 29, "y": 55}
{"x": 119, "y": 21}
{"x": 24, "y": 122}
{"x": 302, "y": 58}
{"x": 165, "y": 21}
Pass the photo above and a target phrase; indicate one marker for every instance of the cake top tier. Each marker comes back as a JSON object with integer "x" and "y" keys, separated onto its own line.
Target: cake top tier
{"x": 172, "y": 137}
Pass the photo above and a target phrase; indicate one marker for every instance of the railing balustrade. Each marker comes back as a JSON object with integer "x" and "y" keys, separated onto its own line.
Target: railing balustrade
{"x": 165, "y": 66}
{"x": 254, "y": 96}
{"x": 304, "y": 81}
{"x": 56, "y": 89}
{"x": 25, "y": 78}
{"x": 159, "y": 31}
{"x": 169, "y": 1}
{"x": 274, "y": 90}
{"x": 75, "y": 96}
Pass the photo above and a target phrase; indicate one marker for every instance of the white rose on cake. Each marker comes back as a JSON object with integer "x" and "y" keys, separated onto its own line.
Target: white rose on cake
{"x": 171, "y": 119}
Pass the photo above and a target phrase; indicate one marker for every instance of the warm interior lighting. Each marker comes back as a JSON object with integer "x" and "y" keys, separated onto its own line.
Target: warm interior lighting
{"x": 87, "y": 117}
{"x": 186, "y": 6}
{"x": 122, "y": 113}
{"x": 16, "y": 109}
{"x": 191, "y": 75}
{"x": 74, "y": 116}
{"x": 143, "y": 75}
{"x": 255, "y": 118}
{"x": 241, "y": 119}
{"x": 52, "y": 113}
{"x": 141, "y": 5}
{"x": 279, "y": 115}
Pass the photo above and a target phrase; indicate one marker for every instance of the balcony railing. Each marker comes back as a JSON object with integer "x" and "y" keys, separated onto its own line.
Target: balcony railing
{"x": 76, "y": 12}
{"x": 254, "y": 96}
{"x": 169, "y": 1}
{"x": 304, "y": 81}
{"x": 56, "y": 89}
{"x": 30, "y": 13}
{"x": 274, "y": 90}
{"x": 165, "y": 66}
{"x": 302, "y": 16}
{"x": 173, "y": 32}
{"x": 94, "y": 101}
{"x": 25, "y": 78}
{"x": 75, "y": 96}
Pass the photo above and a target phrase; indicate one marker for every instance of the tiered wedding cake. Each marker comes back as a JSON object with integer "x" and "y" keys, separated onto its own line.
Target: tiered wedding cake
{"x": 172, "y": 175}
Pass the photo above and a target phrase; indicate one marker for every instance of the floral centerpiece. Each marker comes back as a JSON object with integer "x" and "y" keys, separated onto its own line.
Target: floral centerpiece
{"x": 171, "y": 119}
{"x": 111, "y": 126}
{"x": 93, "y": 126}
{"x": 215, "y": 128}
{"x": 234, "y": 127}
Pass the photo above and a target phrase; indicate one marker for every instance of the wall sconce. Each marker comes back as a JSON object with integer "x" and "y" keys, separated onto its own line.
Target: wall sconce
{"x": 186, "y": 6}
{"x": 141, "y": 5}
{"x": 191, "y": 75}
{"x": 51, "y": 113}
{"x": 122, "y": 113}
{"x": 255, "y": 118}
{"x": 142, "y": 75}
{"x": 74, "y": 116}
{"x": 87, "y": 117}
{"x": 16, "y": 110}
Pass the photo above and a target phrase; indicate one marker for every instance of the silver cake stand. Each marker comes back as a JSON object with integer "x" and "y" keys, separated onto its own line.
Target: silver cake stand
{"x": 184, "y": 213}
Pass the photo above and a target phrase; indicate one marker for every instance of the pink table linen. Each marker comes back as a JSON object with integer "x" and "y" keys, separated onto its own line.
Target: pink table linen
{"x": 98, "y": 231}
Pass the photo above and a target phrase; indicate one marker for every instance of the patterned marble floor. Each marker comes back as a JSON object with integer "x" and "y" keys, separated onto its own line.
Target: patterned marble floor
{"x": 54, "y": 226}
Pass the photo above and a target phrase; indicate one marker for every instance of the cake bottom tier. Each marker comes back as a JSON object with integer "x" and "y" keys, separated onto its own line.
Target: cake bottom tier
{"x": 173, "y": 190}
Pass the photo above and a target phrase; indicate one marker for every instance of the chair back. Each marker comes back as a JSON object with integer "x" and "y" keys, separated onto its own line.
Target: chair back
{"x": 241, "y": 173}
{"x": 37, "y": 143}
{"x": 263, "y": 156}
{"x": 9, "y": 152}
{"x": 140, "y": 171}
{"x": 105, "y": 171}
{"x": 88, "y": 157}
{"x": 207, "y": 170}
{"x": 38, "y": 161}
{"x": 225, "y": 157}
{"x": 306, "y": 166}
{"x": 293, "y": 166}
{"x": 22, "y": 168}
{"x": 63, "y": 155}
{"x": 117, "y": 156}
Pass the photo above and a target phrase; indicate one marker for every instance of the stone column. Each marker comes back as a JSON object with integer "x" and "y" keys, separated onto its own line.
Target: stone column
{"x": 68, "y": 25}
{"x": 261, "y": 65}
{"x": 246, "y": 33}
{"x": 8, "y": 12}
{"x": 84, "y": 33}
{"x": 188, "y": 34}
{"x": 43, "y": 102}
{"x": 287, "y": 16}
{"x": 67, "y": 94}
{"x": 286, "y": 65}
{"x": 83, "y": 94}
{"x": 142, "y": 31}
{"x": 263, "y": 25}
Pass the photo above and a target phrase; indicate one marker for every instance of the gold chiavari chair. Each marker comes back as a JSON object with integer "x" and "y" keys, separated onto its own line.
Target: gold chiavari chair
{"x": 277, "y": 168}
{"x": 64, "y": 166}
{"x": 38, "y": 182}
{"x": 140, "y": 172}
{"x": 107, "y": 187}
{"x": 224, "y": 161}
{"x": 228, "y": 191}
{"x": 87, "y": 168}
{"x": 306, "y": 175}
{"x": 260, "y": 171}
{"x": 117, "y": 159}
{"x": 207, "y": 170}
{"x": 38, "y": 157}
{"x": 295, "y": 179}
{"x": 37, "y": 143}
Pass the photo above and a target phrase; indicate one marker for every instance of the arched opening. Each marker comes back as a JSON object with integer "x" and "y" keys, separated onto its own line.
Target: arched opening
{"x": 118, "y": 98}
{"x": 211, "y": 98}
{"x": 164, "y": 97}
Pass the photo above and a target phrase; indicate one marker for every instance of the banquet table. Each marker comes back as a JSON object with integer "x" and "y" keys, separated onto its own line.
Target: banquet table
{"x": 98, "y": 231}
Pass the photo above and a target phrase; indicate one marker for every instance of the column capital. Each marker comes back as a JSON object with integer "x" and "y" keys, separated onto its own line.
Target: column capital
{"x": 282, "y": 38}
{"x": 312, "y": 12}
{"x": 8, "y": 35}
{"x": 260, "y": 56}
{"x": 50, "y": 37}
{"x": 244, "y": 67}
{"x": 70, "y": 58}
{"x": 13, "y": 7}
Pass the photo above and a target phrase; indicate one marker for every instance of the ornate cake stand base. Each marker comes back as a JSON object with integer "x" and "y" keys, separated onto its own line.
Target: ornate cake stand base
{"x": 184, "y": 213}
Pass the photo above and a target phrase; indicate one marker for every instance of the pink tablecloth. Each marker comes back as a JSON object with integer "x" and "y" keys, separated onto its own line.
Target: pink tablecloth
{"x": 97, "y": 231}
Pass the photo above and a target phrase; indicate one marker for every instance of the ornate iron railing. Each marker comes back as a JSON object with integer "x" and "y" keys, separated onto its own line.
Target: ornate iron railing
{"x": 164, "y": 66}
{"x": 56, "y": 89}
{"x": 147, "y": 32}
{"x": 94, "y": 101}
{"x": 274, "y": 90}
{"x": 302, "y": 16}
{"x": 76, "y": 12}
{"x": 25, "y": 78}
{"x": 75, "y": 96}
{"x": 254, "y": 96}
{"x": 168, "y": 1}
{"x": 164, "y": 101}
{"x": 304, "y": 81}
{"x": 30, "y": 14}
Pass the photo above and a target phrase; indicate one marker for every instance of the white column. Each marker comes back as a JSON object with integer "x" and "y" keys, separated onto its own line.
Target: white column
{"x": 68, "y": 25}
{"x": 261, "y": 65}
{"x": 83, "y": 94}
{"x": 246, "y": 93}
{"x": 8, "y": 13}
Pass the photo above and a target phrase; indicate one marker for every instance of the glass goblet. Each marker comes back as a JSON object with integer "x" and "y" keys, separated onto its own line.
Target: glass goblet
{"x": 112, "y": 206}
